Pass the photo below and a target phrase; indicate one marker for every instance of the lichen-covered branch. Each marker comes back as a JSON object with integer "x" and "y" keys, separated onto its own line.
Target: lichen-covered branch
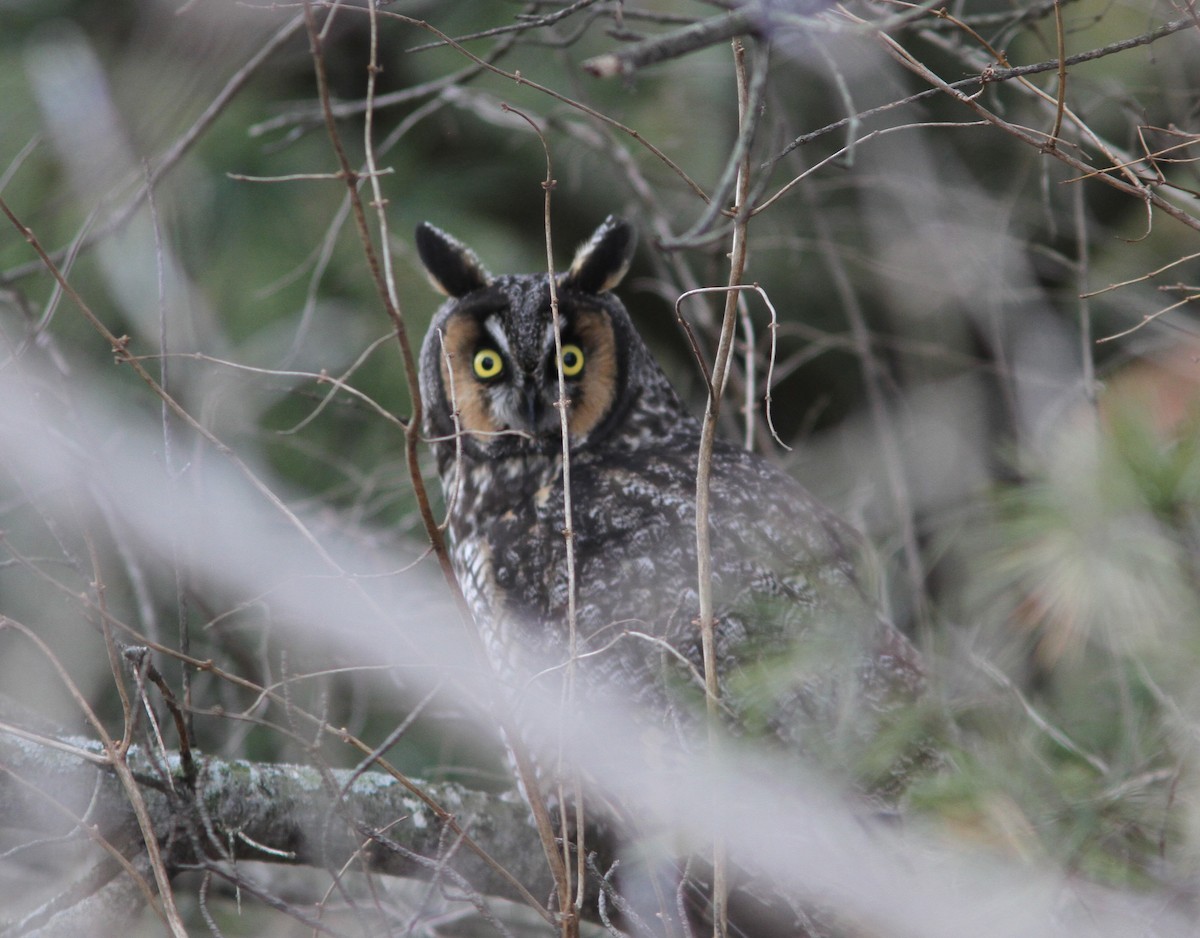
{"x": 275, "y": 813}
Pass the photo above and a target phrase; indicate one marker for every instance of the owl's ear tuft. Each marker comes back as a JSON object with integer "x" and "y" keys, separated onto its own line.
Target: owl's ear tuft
{"x": 452, "y": 267}
{"x": 602, "y": 262}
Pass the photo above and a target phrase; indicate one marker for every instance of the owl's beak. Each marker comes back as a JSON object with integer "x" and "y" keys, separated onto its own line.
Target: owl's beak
{"x": 533, "y": 407}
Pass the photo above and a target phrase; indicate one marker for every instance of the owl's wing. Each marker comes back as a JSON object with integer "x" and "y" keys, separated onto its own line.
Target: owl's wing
{"x": 822, "y": 669}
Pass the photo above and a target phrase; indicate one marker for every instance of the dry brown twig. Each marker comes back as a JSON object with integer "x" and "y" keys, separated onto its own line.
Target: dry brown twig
{"x": 570, "y": 893}
{"x": 1124, "y": 179}
{"x": 708, "y": 430}
{"x": 991, "y": 75}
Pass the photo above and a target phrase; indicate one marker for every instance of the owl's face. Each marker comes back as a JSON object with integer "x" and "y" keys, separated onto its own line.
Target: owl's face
{"x": 498, "y": 366}
{"x": 491, "y": 360}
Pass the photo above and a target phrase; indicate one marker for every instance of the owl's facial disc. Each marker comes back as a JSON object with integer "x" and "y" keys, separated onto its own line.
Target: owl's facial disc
{"x": 505, "y": 386}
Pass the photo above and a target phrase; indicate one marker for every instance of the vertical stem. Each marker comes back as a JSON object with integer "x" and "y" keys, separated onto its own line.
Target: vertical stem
{"x": 387, "y": 296}
{"x": 720, "y": 375}
{"x": 570, "y": 896}
{"x": 1085, "y": 308}
{"x": 570, "y": 921}
{"x": 1061, "y": 103}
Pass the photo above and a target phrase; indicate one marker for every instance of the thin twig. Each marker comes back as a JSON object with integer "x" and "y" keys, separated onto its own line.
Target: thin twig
{"x": 567, "y": 898}
{"x": 708, "y": 429}
{"x": 1082, "y": 255}
{"x": 774, "y": 327}
{"x": 737, "y": 166}
{"x": 526, "y": 24}
{"x": 1037, "y": 719}
{"x": 139, "y": 657}
{"x": 1061, "y": 105}
{"x": 1130, "y": 185}
{"x": 851, "y": 147}
{"x": 1143, "y": 277}
{"x": 1148, "y": 318}
{"x": 386, "y": 295}
{"x": 187, "y": 731}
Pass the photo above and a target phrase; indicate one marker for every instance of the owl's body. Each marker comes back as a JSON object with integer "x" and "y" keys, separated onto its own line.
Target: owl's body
{"x": 802, "y": 657}
{"x": 798, "y": 646}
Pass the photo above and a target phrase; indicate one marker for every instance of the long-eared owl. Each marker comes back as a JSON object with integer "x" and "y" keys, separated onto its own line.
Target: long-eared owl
{"x": 801, "y": 654}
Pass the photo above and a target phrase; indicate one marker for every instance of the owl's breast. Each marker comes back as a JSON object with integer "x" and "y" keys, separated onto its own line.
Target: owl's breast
{"x": 507, "y": 546}
{"x": 777, "y": 564}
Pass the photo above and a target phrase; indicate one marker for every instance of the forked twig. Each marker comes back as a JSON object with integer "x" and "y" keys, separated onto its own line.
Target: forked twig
{"x": 1148, "y": 318}
{"x": 774, "y": 328}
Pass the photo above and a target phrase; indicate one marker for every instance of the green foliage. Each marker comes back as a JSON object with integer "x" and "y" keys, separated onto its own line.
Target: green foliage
{"x": 1085, "y": 584}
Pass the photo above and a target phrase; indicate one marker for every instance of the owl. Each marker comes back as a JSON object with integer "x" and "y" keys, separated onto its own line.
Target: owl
{"x": 802, "y": 657}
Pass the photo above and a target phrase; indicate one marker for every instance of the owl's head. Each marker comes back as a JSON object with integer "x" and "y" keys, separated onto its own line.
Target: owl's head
{"x": 490, "y": 356}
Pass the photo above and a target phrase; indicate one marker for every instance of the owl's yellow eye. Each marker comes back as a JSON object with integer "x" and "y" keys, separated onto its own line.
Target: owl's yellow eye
{"x": 488, "y": 364}
{"x": 572, "y": 360}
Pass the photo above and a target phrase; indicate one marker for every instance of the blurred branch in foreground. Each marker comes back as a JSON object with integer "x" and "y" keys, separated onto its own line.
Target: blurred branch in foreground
{"x": 338, "y": 820}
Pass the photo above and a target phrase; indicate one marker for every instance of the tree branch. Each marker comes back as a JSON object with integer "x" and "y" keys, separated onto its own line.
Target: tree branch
{"x": 275, "y": 813}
